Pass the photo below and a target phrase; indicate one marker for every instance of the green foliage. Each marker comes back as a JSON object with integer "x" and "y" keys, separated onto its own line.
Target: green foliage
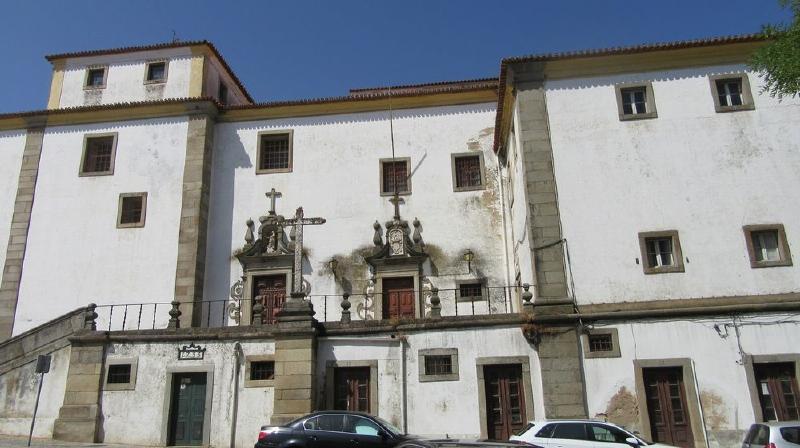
{"x": 779, "y": 61}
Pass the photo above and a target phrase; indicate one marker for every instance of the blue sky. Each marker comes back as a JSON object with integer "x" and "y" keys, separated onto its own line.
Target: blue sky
{"x": 304, "y": 49}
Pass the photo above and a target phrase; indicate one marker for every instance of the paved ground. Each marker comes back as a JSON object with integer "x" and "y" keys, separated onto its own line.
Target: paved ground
{"x": 8, "y": 441}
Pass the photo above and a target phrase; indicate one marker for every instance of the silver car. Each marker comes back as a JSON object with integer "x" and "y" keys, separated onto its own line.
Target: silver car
{"x": 773, "y": 435}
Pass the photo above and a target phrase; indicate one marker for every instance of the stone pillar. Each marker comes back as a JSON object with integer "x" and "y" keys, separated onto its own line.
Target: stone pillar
{"x": 559, "y": 352}
{"x": 79, "y": 417}
{"x": 295, "y": 361}
{"x": 18, "y": 236}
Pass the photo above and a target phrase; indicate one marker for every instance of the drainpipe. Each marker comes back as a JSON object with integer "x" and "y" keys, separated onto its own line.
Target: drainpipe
{"x": 506, "y": 224}
{"x": 237, "y": 354}
{"x": 403, "y": 342}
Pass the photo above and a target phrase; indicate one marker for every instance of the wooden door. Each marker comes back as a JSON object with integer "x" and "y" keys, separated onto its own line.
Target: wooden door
{"x": 187, "y": 409}
{"x": 351, "y": 389}
{"x": 270, "y": 291}
{"x": 666, "y": 406}
{"x": 777, "y": 391}
{"x": 398, "y": 297}
{"x": 505, "y": 400}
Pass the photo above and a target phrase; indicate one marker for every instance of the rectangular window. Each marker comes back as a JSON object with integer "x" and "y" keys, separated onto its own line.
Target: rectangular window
{"x": 777, "y": 391}
{"x": 600, "y": 343}
{"x": 470, "y": 291}
{"x": 438, "y": 365}
{"x": 95, "y": 78}
{"x": 467, "y": 171}
{"x": 767, "y": 245}
{"x": 222, "y": 93}
{"x": 262, "y": 370}
{"x": 731, "y": 92}
{"x": 395, "y": 172}
{"x": 156, "y": 72}
{"x": 119, "y": 374}
{"x": 98, "y": 155}
{"x": 635, "y": 101}
{"x": 132, "y": 208}
{"x": 274, "y": 152}
{"x": 661, "y": 252}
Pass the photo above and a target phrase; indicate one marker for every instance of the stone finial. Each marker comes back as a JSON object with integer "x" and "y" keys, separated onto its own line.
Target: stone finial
{"x": 377, "y": 239}
{"x": 90, "y": 318}
{"x": 248, "y": 236}
{"x": 417, "y": 238}
{"x": 527, "y": 305}
{"x": 258, "y": 314}
{"x": 436, "y": 304}
{"x": 346, "y": 308}
{"x": 174, "y": 315}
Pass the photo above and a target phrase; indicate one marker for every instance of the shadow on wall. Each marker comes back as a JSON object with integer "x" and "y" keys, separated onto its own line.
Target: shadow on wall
{"x": 663, "y": 75}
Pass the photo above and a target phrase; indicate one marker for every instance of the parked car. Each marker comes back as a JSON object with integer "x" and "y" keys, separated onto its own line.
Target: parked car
{"x": 332, "y": 429}
{"x": 576, "y": 434}
{"x": 773, "y": 435}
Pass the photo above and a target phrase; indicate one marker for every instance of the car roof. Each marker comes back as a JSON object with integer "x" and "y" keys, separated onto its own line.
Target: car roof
{"x": 780, "y": 424}
{"x": 361, "y": 414}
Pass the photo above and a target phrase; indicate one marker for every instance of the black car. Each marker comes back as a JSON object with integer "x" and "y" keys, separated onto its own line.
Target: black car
{"x": 332, "y": 429}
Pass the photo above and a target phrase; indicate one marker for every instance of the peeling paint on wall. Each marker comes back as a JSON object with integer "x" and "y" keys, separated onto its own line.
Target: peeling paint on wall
{"x": 623, "y": 409}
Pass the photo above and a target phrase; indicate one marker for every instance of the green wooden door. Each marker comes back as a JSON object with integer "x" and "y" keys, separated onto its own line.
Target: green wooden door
{"x": 187, "y": 409}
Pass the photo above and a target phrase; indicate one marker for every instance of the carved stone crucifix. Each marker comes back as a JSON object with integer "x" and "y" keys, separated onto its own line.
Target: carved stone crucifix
{"x": 272, "y": 195}
{"x": 296, "y": 236}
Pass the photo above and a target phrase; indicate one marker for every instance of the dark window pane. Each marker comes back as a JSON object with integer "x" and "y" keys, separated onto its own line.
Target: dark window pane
{"x": 395, "y": 172}
{"x": 131, "y": 210}
{"x": 546, "y": 432}
{"x": 274, "y": 152}
{"x": 262, "y": 370}
{"x": 156, "y": 71}
{"x": 470, "y": 291}
{"x": 791, "y": 434}
{"x": 98, "y": 154}
{"x": 96, "y": 77}
{"x": 634, "y": 101}
{"x": 574, "y": 431}
{"x": 468, "y": 171}
{"x": 600, "y": 343}
{"x": 438, "y": 365}
{"x": 223, "y": 94}
{"x": 119, "y": 374}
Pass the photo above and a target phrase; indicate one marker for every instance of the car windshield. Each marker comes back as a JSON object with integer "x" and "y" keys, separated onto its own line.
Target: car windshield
{"x": 393, "y": 429}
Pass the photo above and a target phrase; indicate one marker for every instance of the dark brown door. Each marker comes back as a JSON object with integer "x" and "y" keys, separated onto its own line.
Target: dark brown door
{"x": 666, "y": 406}
{"x": 398, "y": 297}
{"x": 269, "y": 291}
{"x": 505, "y": 400}
{"x": 777, "y": 391}
{"x": 351, "y": 389}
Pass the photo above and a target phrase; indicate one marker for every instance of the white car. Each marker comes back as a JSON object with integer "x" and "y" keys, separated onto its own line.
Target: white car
{"x": 579, "y": 434}
{"x": 773, "y": 435}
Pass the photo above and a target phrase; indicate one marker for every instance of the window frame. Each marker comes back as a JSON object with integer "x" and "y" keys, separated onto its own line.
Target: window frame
{"x": 86, "y": 138}
{"x": 131, "y": 384}
{"x": 249, "y": 359}
{"x": 747, "y": 95}
{"x": 650, "y": 101}
{"x": 783, "y": 246}
{"x": 615, "y": 351}
{"x": 677, "y": 253}
{"x": 426, "y": 378}
{"x": 468, "y": 299}
{"x": 260, "y": 147}
{"x": 454, "y": 174}
{"x": 407, "y": 161}
{"x": 140, "y": 223}
{"x": 89, "y": 69}
{"x": 147, "y": 71}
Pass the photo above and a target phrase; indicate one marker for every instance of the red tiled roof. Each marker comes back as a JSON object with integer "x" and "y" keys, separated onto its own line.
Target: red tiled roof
{"x": 486, "y": 82}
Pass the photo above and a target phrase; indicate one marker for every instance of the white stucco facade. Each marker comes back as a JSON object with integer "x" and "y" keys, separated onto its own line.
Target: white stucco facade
{"x": 12, "y": 144}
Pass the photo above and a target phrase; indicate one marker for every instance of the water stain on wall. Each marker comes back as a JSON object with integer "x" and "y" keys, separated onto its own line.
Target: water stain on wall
{"x": 714, "y": 410}
{"x": 623, "y": 409}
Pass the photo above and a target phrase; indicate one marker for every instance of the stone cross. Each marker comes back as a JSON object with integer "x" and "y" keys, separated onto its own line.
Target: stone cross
{"x": 396, "y": 201}
{"x": 297, "y": 231}
{"x": 272, "y": 195}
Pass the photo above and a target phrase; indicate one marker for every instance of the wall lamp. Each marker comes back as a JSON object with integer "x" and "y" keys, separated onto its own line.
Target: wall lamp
{"x": 332, "y": 264}
{"x": 468, "y": 257}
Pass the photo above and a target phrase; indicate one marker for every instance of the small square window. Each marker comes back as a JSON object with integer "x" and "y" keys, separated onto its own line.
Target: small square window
{"x": 395, "y": 172}
{"x": 471, "y": 291}
{"x": 259, "y": 371}
{"x": 438, "y": 364}
{"x": 132, "y": 207}
{"x": 661, "y": 252}
{"x": 731, "y": 92}
{"x": 156, "y": 72}
{"x": 635, "y": 101}
{"x": 262, "y": 370}
{"x": 600, "y": 343}
{"x": 95, "y": 78}
{"x": 119, "y": 374}
{"x": 467, "y": 171}
{"x": 222, "y": 93}
{"x": 767, "y": 245}
{"x": 98, "y": 155}
{"x": 274, "y": 152}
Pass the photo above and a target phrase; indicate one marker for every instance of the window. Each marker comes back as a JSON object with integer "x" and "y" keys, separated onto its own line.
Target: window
{"x": 95, "y": 78}
{"x": 395, "y": 171}
{"x": 467, "y": 171}
{"x": 546, "y": 431}
{"x": 609, "y": 434}
{"x": 274, "y": 152}
{"x": 222, "y": 93}
{"x": 120, "y": 374}
{"x": 326, "y": 422}
{"x": 661, "y": 252}
{"x": 132, "y": 208}
{"x": 438, "y": 364}
{"x": 362, "y": 426}
{"x": 731, "y": 92}
{"x": 156, "y": 72}
{"x": 259, "y": 371}
{"x": 470, "y": 291}
{"x": 635, "y": 101}
{"x": 572, "y": 431}
{"x": 98, "y": 155}
{"x": 600, "y": 343}
{"x": 767, "y": 245}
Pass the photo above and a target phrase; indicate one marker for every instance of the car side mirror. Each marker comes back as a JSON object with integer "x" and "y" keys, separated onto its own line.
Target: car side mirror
{"x": 633, "y": 441}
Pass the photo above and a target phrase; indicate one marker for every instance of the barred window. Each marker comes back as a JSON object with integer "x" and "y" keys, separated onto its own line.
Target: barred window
{"x": 395, "y": 172}
{"x": 262, "y": 370}
{"x": 601, "y": 342}
{"x": 438, "y": 365}
{"x": 274, "y": 152}
{"x": 119, "y": 374}
{"x": 468, "y": 171}
{"x": 99, "y": 155}
{"x": 132, "y": 209}
{"x": 470, "y": 291}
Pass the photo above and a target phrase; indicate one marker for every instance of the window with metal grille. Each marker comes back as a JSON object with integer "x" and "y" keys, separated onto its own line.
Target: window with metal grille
{"x": 729, "y": 92}
{"x": 99, "y": 154}
{"x": 470, "y": 291}
{"x": 468, "y": 171}
{"x": 659, "y": 252}
{"x": 96, "y": 77}
{"x": 395, "y": 172}
{"x": 634, "y": 100}
{"x": 438, "y": 365}
{"x": 119, "y": 374}
{"x": 132, "y": 209}
{"x": 275, "y": 152}
{"x": 156, "y": 71}
{"x": 601, "y": 343}
{"x": 262, "y": 370}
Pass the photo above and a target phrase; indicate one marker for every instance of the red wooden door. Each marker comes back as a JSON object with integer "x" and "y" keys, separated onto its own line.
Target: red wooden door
{"x": 270, "y": 291}
{"x": 351, "y": 389}
{"x": 505, "y": 400}
{"x": 666, "y": 406}
{"x": 398, "y": 297}
{"x": 778, "y": 391}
